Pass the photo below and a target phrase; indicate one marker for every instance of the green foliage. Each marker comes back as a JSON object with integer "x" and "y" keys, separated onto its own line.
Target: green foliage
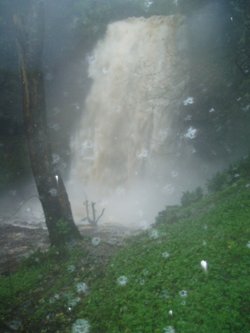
{"x": 216, "y": 300}
{"x": 165, "y": 284}
{"x": 189, "y": 198}
{"x": 62, "y": 227}
{"x": 220, "y": 181}
{"x": 43, "y": 290}
{"x": 230, "y": 176}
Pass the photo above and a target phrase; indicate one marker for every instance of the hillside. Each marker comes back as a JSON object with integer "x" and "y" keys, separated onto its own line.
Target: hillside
{"x": 189, "y": 273}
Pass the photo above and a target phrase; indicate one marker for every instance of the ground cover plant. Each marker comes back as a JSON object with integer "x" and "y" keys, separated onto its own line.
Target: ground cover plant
{"x": 188, "y": 273}
{"x": 188, "y": 276}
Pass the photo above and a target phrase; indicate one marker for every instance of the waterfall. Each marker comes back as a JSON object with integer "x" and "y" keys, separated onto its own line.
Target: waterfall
{"x": 124, "y": 150}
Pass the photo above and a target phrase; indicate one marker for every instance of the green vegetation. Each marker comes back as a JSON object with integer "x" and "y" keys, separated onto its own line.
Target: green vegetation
{"x": 62, "y": 228}
{"x": 191, "y": 197}
{"x": 189, "y": 273}
{"x": 224, "y": 179}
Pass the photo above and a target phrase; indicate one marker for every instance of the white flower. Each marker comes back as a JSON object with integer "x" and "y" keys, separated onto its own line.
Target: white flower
{"x": 248, "y": 244}
{"x": 183, "y": 293}
{"x": 170, "y": 312}
{"x": 81, "y": 326}
{"x": 122, "y": 280}
{"x": 169, "y": 329}
{"x": 81, "y": 287}
{"x": 96, "y": 241}
{"x": 188, "y": 101}
{"x": 165, "y": 255}
{"x": 204, "y": 265}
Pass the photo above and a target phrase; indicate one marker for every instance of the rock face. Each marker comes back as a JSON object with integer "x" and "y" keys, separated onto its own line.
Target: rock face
{"x": 128, "y": 133}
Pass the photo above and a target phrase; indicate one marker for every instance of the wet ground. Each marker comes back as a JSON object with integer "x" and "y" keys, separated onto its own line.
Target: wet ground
{"x": 19, "y": 241}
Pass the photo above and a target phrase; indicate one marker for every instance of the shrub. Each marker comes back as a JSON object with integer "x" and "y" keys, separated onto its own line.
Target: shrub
{"x": 190, "y": 197}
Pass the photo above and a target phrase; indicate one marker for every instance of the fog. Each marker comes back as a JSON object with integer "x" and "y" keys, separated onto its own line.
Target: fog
{"x": 127, "y": 150}
{"x": 122, "y": 110}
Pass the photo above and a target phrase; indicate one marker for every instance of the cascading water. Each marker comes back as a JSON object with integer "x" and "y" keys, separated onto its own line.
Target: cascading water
{"x": 124, "y": 150}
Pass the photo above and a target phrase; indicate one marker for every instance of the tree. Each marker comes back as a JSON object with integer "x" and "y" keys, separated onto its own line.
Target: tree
{"x": 50, "y": 186}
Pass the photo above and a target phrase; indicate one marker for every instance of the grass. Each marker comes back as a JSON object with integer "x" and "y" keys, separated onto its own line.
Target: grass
{"x": 217, "y": 300}
{"x": 164, "y": 289}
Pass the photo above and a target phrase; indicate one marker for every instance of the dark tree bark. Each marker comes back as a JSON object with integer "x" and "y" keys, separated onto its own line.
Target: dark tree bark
{"x": 50, "y": 186}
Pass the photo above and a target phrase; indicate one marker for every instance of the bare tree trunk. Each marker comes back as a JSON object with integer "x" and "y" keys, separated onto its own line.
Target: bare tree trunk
{"x": 50, "y": 186}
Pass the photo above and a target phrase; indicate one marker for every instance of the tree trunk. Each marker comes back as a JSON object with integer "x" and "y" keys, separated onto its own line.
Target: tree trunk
{"x": 50, "y": 186}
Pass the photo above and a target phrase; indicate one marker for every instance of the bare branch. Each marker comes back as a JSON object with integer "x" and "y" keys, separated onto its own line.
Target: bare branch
{"x": 100, "y": 215}
{"x": 94, "y": 220}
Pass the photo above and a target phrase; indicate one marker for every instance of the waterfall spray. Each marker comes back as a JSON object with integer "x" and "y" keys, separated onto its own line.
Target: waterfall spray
{"x": 124, "y": 150}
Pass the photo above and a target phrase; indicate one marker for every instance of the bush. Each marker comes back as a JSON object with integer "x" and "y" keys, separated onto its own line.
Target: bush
{"x": 220, "y": 181}
{"x": 223, "y": 179}
{"x": 191, "y": 197}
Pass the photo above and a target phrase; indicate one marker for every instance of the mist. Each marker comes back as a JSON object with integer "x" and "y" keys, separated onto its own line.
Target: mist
{"x": 124, "y": 166}
{"x": 133, "y": 118}
{"x": 124, "y": 152}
